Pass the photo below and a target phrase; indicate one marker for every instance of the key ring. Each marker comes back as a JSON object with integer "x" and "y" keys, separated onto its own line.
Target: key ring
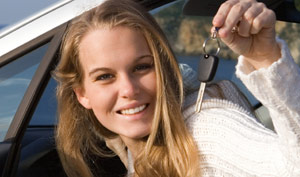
{"x": 214, "y": 36}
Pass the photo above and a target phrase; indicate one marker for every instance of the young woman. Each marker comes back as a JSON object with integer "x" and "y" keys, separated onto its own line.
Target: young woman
{"x": 119, "y": 82}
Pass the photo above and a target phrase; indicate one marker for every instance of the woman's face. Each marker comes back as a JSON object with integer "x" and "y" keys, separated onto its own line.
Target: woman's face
{"x": 119, "y": 80}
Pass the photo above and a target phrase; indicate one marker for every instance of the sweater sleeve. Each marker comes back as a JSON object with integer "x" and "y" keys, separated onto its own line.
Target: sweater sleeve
{"x": 277, "y": 88}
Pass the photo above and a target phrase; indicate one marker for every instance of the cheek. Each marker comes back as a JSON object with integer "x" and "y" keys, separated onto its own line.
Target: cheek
{"x": 150, "y": 84}
{"x": 102, "y": 107}
{"x": 102, "y": 100}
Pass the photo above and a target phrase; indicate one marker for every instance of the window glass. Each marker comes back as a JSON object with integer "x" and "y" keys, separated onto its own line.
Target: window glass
{"x": 290, "y": 32}
{"x": 187, "y": 34}
{"x": 45, "y": 112}
{"x": 14, "y": 80}
{"x": 297, "y": 4}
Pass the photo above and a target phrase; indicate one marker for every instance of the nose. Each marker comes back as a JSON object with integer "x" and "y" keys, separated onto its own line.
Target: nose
{"x": 129, "y": 87}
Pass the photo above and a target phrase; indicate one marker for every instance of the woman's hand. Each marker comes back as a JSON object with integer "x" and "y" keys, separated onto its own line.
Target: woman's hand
{"x": 248, "y": 28}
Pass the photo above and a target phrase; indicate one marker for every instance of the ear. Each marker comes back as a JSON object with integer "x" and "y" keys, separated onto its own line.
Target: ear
{"x": 82, "y": 98}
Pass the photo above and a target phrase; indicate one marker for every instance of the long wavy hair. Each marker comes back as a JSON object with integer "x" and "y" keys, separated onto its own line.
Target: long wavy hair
{"x": 169, "y": 150}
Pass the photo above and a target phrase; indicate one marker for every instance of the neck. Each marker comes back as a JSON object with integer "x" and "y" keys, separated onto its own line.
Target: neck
{"x": 134, "y": 145}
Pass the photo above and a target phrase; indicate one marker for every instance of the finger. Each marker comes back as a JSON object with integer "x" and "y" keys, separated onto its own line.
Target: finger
{"x": 221, "y": 15}
{"x": 248, "y": 17}
{"x": 212, "y": 30}
{"x": 266, "y": 20}
{"x": 234, "y": 16}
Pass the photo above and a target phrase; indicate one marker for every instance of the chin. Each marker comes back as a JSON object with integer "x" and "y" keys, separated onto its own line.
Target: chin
{"x": 138, "y": 135}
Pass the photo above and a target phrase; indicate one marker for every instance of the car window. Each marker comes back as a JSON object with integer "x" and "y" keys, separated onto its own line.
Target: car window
{"x": 187, "y": 34}
{"x": 297, "y": 4}
{"x": 14, "y": 80}
{"x": 45, "y": 112}
{"x": 12, "y": 11}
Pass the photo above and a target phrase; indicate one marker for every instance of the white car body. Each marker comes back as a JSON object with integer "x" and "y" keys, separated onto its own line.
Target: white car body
{"x": 46, "y": 20}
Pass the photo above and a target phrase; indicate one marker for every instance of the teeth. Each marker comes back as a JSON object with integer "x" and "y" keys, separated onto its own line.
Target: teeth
{"x": 133, "y": 110}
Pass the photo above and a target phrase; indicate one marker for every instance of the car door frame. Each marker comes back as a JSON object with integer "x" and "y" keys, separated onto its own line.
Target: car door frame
{"x": 10, "y": 147}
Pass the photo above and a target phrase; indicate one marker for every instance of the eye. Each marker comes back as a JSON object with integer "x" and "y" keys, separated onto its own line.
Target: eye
{"x": 104, "y": 77}
{"x": 142, "y": 67}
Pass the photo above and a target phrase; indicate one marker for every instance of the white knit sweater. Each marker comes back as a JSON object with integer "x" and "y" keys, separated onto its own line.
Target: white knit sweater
{"x": 232, "y": 142}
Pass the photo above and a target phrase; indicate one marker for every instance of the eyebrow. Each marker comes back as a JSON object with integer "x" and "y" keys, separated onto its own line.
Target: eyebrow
{"x": 108, "y": 69}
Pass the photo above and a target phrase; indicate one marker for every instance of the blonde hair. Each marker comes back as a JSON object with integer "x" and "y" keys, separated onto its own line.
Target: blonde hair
{"x": 169, "y": 150}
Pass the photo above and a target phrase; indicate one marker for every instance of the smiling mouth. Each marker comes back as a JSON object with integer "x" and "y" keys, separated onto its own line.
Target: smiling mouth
{"x": 133, "y": 110}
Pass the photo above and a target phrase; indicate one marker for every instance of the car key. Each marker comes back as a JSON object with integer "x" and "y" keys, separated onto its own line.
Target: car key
{"x": 207, "y": 68}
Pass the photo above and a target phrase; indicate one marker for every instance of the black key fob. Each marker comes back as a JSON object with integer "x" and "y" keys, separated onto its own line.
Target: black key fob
{"x": 207, "y": 67}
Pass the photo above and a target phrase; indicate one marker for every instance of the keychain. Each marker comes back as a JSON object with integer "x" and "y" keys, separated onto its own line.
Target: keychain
{"x": 207, "y": 68}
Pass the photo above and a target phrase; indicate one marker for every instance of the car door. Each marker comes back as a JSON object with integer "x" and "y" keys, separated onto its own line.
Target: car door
{"x": 23, "y": 73}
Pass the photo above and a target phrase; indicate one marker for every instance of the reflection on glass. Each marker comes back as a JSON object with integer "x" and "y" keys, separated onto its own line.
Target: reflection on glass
{"x": 14, "y": 80}
{"x": 297, "y": 4}
{"x": 290, "y": 32}
{"x": 186, "y": 35}
{"x": 45, "y": 112}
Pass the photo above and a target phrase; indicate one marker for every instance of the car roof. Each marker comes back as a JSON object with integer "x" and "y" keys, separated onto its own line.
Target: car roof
{"x": 39, "y": 23}
{"x": 57, "y": 14}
